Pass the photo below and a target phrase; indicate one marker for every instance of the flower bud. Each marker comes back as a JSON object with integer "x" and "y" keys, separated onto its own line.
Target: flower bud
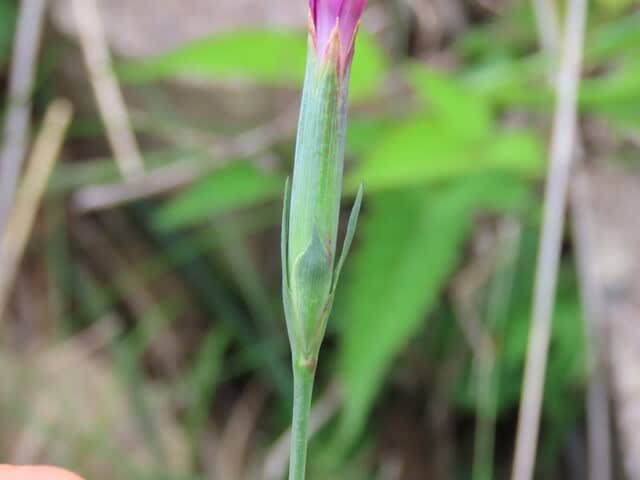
{"x": 329, "y": 18}
{"x": 310, "y": 219}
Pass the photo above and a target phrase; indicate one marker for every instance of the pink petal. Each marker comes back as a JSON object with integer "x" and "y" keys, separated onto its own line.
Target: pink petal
{"x": 313, "y": 4}
{"x": 350, "y": 14}
{"x": 327, "y": 13}
{"x": 326, "y": 17}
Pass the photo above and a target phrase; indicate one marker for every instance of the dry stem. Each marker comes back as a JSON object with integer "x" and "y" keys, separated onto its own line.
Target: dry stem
{"x": 106, "y": 89}
{"x": 21, "y": 219}
{"x": 563, "y": 145}
{"x": 17, "y": 122}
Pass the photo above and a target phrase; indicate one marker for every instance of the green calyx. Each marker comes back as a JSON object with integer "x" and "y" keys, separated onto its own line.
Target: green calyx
{"x": 317, "y": 175}
{"x": 309, "y": 286}
{"x": 312, "y": 208}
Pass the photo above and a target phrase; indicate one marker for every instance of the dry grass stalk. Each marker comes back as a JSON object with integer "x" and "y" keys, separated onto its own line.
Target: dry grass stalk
{"x": 22, "y": 217}
{"x": 563, "y": 147}
{"x": 17, "y": 120}
{"x": 598, "y": 417}
{"x": 250, "y": 143}
{"x": 591, "y": 289}
{"x": 106, "y": 89}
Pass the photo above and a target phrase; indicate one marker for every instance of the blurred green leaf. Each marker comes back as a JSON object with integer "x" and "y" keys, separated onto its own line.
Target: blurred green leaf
{"x": 508, "y": 35}
{"x": 613, "y": 37}
{"x": 414, "y": 254}
{"x": 624, "y": 117}
{"x": 566, "y": 363}
{"x": 369, "y": 67}
{"x": 509, "y": 85}
{"x": 201, "y": 380}
{"x": 261, "y": 56}
{"x": 456, "y": 136}
{"x": 452, "y": 103}
{"x": 8, "y": 14}
{"x": 619, "y": 87}
{"x": 615, "y": 6}
{"x": 509, "y": 80}
{"x": 424, "y": 150}
{"x": 361, "y": 130}
{"x": 505, "y": 82}
{"x": 519, "y": 152}
{"x": 235, "y": 186}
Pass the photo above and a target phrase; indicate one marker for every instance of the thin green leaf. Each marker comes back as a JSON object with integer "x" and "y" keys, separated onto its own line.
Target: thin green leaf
{"x": 424, "y": 150}
{"x": 260, "y": 56}
{"x": 415, "y": 252}
{"x": 238, "y": 185}
{"x": 452, "y": 103}
{"x": 7, "y": 21}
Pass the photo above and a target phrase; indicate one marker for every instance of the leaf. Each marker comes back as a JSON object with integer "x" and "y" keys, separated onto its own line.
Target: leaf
{"x": 7, "y": 25}
{"x": 615, "y": 6}
{"x": 362, "y": 129}
{"x": 261, "y": 56}
{"x": 414, "y": 239}
{"x": 518, "y": 152}
{"x": 369, "y": 67}
{"x": 614, "y": 37}
{"x": 238, "y": 185}
{"x": 408, "y": 153}
{"x": 623, "y": 117}
{"x": 566, "y": 360}
{"x": 506, "y": 35}
{"x": 423, "y": 150}
{"x": 201, "y": 380}
{"x": 452, "y": 103}
{"x": 507, "y": 80}
{"x": 618, "y": 88}
{"x": 458, "y": 136}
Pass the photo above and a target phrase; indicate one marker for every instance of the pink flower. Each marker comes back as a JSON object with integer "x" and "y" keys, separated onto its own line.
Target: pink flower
{"x": 336, "y": 17}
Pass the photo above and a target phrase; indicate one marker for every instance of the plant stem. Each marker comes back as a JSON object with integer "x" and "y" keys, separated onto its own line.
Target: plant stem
{"x": 303, "y": 377}
{"x": 563, "y": 147}
{"x": 484, "y": 442}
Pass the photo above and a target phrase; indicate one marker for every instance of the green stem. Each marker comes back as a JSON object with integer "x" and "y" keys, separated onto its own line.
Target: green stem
{"x": 303, "y": 377}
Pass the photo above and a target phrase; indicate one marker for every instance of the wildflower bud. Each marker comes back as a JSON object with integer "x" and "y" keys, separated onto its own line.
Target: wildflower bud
{"x": 310, "y": 222}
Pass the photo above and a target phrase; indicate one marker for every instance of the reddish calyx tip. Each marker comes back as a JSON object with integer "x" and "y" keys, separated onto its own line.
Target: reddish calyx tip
{"x": 335, "y": 18}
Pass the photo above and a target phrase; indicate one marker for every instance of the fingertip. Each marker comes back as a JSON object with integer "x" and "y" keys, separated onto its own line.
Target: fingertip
{"x": 29, "y": 472}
